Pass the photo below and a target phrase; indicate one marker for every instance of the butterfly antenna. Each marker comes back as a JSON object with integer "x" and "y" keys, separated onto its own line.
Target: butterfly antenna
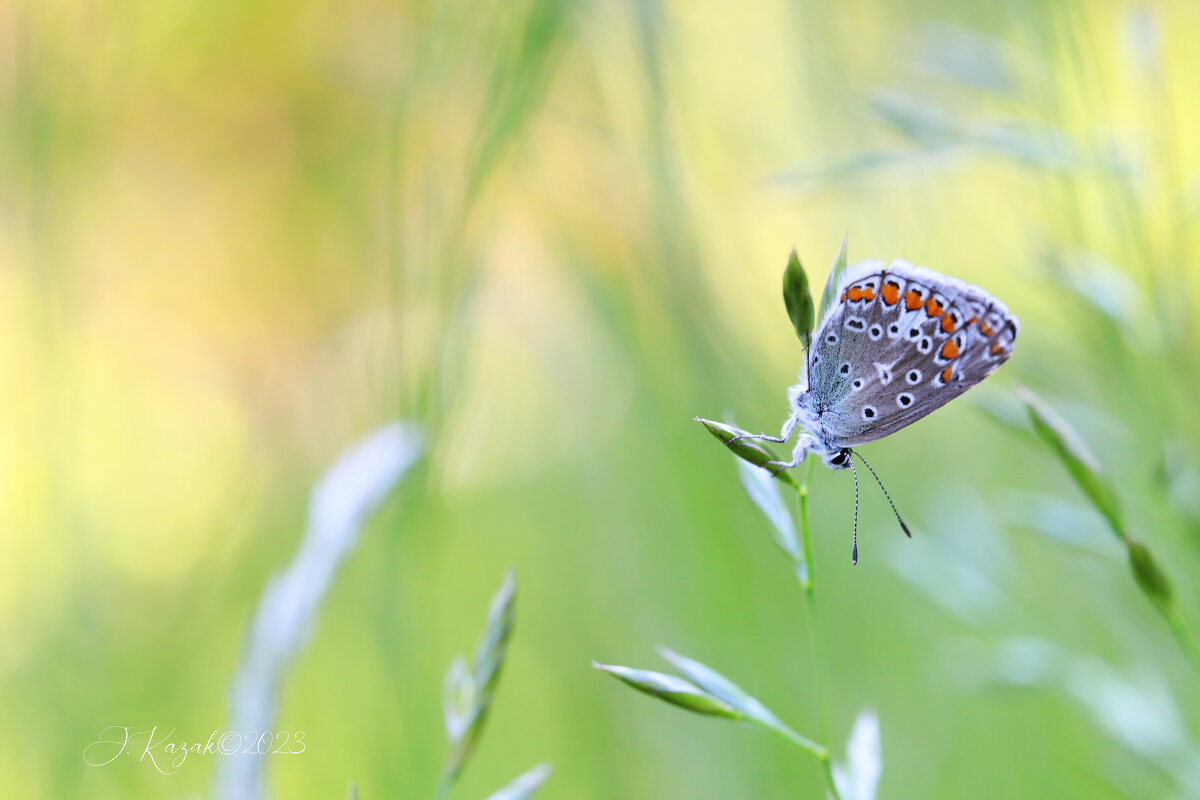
{"x": 854, "y": 549}
{"x": 899, "y": 519}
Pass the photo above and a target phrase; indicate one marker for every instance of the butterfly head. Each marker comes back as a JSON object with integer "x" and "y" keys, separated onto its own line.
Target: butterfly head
{"x": 838, "y": 459}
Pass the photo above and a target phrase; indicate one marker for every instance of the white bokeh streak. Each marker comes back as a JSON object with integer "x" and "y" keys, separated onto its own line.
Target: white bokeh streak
{"x": 341, "y": 501}
{"x": 859, "y": 778}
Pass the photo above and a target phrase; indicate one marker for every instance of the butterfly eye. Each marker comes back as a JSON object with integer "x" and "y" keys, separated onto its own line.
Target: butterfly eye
{"x": 840, "y": 458}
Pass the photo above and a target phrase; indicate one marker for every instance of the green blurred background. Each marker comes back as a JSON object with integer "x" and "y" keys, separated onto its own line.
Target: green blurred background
{"x": 235, "y": 237}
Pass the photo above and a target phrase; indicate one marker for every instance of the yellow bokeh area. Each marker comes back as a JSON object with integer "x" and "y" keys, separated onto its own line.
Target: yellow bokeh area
{"x": 237, "y": 237}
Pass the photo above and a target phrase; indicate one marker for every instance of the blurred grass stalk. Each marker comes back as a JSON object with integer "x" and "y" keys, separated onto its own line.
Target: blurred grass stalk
{"x": 468, "y": 693}
{"x": 341, "y": 501}
{"x": 1084, "y": 469}
{"x": 1136, "y": 710}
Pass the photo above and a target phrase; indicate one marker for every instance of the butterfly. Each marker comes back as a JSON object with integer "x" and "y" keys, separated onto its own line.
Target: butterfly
{"x": 897, "y": 343}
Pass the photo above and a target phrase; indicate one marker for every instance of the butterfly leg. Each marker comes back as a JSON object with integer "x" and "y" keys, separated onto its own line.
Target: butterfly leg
{"x": 785, "y": 433}
{"x": 804, "y": 444}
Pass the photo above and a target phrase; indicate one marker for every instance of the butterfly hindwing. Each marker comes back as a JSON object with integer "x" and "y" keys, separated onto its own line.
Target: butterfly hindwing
{"x": 900, "y": 342}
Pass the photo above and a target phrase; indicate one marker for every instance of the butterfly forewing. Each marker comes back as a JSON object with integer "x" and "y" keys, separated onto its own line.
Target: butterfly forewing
{"x": 900, "y": 342}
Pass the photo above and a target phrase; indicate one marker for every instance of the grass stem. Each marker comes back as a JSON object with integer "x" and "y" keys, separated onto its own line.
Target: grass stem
{"x": 791, "y": 737}
{"x": 1183, "y": 635}
{"x": 810, "y": 607}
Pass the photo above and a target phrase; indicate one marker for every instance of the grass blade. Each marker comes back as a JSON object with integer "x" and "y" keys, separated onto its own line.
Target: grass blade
{"x": 1081, "y": 465}
{"x": 835, "y": 275}
{"x": 675, "y": 691}
{"x": 764, "y": 493}
{"x": 797, "y": 298}
{"x": 725, "y": 690}
{"x": 750, "y": 450}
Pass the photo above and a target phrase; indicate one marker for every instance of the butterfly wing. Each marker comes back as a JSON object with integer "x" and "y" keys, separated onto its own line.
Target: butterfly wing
{"x": 900, "y": 342}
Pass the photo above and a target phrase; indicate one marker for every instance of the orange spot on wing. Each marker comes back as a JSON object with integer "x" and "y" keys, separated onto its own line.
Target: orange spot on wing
{"x": 947, "y": 324}
{"x": 933, "y": 307}
{"x": 972, "y": 319}
{"x": 986, "y": 329}
{"x": 997, "y": 348}
{"x": 868, "y": 294}
{"x": 946, "y": 373}
{"x": 843, "y": 298}
{"x": 912, "y": 300}
{"x": 890, "y": 293}
{"x": 949, "y": 349}
{"x": 855, "y": 293}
